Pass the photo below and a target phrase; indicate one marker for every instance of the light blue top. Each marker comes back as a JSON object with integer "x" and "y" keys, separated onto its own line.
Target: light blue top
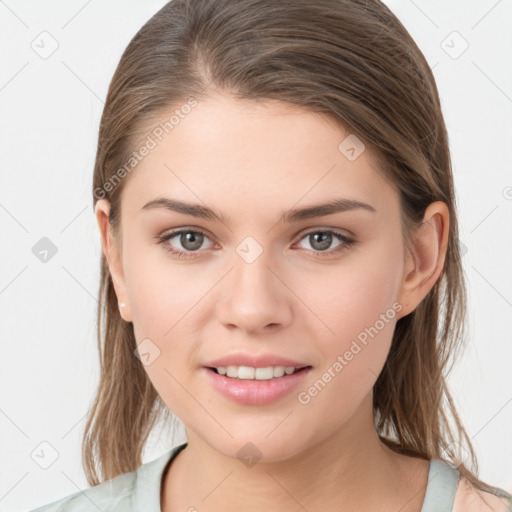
{"x": 139, "y": 490}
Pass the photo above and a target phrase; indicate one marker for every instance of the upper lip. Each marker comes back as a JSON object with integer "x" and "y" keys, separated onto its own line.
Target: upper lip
{"x": 261, "y": 361}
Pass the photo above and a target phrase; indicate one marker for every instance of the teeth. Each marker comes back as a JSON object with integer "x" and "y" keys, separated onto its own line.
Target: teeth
{"x": 250, "y": 373}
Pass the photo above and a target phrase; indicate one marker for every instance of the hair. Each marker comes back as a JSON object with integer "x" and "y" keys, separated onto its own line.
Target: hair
{"x": 353, "y": 61}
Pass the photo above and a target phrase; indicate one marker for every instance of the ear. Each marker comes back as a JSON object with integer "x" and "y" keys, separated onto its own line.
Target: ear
{"x": 113, "y": 256}
{"x": 422, "y": 269}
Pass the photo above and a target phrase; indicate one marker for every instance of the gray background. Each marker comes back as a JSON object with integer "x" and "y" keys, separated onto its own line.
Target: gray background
{"x": 50, "y": 110}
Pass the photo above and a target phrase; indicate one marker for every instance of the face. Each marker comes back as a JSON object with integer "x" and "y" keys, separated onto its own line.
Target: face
{"x": 322, "y": 291}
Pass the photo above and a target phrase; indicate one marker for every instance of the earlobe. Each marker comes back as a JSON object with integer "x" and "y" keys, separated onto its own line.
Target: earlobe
{"x": 425, "y": 265}
{"x": 110, "y": 250}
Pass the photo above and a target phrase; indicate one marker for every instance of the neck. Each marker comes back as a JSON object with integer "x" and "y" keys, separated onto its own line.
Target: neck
{"x": 350, "y": 467}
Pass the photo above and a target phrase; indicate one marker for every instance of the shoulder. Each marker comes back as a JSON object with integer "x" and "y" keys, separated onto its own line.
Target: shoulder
{"x": 470, "y": 499}
{"x": 136, "y": 490}
{"x": 109, "y": 496}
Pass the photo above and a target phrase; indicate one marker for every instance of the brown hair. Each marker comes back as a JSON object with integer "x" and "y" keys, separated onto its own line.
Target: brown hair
{"x": 354, "y": 61}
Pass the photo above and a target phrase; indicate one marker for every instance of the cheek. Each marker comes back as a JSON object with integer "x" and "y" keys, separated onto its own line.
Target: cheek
{"x": 351, "y": 296}
{"x": 162, "y": 298}
{"x": 356, "y": 302}
{"x": 161, "y": 291}
{"x": 166, "y": 299}
{"x": 362, "y": 315}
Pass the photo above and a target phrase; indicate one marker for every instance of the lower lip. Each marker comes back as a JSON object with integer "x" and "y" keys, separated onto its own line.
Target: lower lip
{"x": 256, "y": 392}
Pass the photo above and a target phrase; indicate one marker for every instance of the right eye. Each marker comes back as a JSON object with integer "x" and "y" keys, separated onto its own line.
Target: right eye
{"x": 190, "y": 239}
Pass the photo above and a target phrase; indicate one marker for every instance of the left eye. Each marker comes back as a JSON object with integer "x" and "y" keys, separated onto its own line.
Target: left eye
{"x": 192, "y": 240}
{"x": 323, "y": 239}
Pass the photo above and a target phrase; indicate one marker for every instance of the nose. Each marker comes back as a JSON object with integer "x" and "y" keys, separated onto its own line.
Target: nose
{"x": 254, "y": 297}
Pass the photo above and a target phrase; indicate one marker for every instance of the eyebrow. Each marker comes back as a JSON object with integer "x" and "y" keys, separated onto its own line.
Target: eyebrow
{"x": 336, "y": 205}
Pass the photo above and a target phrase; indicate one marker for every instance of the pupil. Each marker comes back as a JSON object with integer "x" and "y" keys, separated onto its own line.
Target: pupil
{"x": 190, "y": 236}
{"x": 325, "y": 241}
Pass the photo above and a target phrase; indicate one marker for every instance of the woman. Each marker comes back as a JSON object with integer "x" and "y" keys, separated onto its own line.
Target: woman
{"x": 280, "y": 268}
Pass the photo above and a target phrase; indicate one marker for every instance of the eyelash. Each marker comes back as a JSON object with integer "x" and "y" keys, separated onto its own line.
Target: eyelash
{"x": 347, "y": 242}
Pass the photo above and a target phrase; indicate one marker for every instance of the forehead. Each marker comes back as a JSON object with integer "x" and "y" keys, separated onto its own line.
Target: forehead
{"x": 263, "y": 157}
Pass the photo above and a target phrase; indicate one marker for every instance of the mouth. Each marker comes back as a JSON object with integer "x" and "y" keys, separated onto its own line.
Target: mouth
{"x": 248, "y": 386}
{"x": 284, "y": 376}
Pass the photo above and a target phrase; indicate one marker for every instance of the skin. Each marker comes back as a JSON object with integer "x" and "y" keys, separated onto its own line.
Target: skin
{"x": 253, "y": 161}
